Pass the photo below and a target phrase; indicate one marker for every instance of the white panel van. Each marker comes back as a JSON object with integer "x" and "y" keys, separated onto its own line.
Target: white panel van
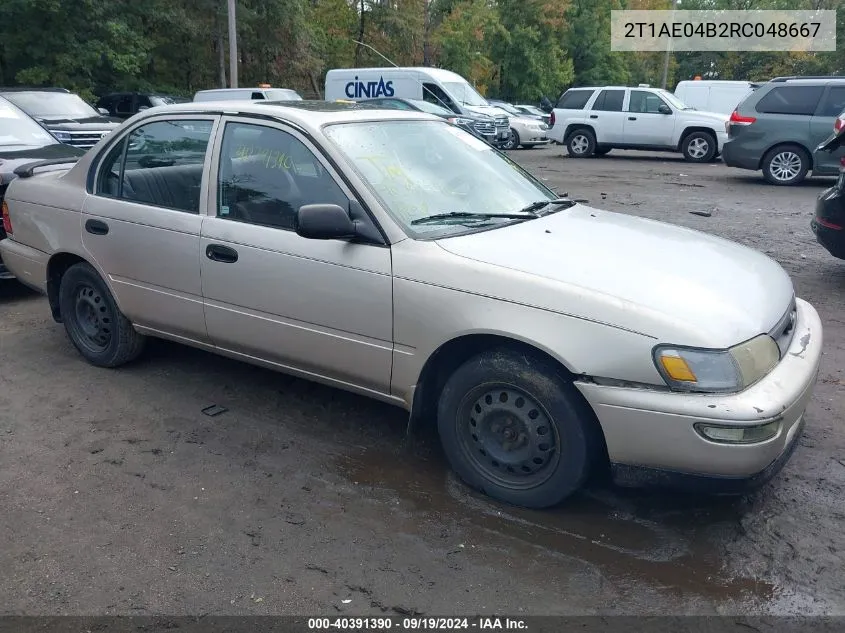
{"x": 717, "y": 96}
{"x": 434, "y": 85}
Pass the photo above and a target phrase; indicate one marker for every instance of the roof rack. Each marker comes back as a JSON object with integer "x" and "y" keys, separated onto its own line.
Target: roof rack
{"x": 782, "y": 79}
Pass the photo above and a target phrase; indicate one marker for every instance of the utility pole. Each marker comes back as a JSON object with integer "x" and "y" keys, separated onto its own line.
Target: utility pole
{"x": 668, "y": 51}
{"x": 233, "y": 45}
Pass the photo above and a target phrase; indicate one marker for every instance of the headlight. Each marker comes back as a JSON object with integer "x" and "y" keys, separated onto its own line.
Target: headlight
{"x": 62, "y": 137}
{"x": 461, "y": 121}
{"x": 713, "y": 370}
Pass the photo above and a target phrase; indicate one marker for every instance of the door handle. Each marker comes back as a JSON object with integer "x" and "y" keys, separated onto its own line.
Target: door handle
{"x": 594, "y": 116}
{"x": 223, "y": 254}
{"x": 96, "y": 227}
{"x": 632, "y": 118}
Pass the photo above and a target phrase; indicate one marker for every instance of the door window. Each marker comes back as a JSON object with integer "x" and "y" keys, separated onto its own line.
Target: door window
{"x": 610, "y": 101}
{"x": 267, "y": 174}
{"x": 645, "y": 102}
{"x": 160, "y": 163}
{"x": 791, "y": 100}
{"x": 834, "y": 103}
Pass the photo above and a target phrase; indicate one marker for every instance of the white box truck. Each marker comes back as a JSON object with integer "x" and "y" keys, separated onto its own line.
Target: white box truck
{"x": 434, "y": 85}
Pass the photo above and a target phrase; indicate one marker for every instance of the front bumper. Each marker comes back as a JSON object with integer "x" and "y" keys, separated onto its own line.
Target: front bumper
{"x": 652, "y": 431}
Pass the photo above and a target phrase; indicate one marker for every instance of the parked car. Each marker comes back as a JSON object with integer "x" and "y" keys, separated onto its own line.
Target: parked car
{"x": 779, "y": 126}
{"x": 525, "y": 131}
{"x": 24, "y": 141}
{"x": 828, "y": 224}
{"x": 123, "y": 105}
{"x": 260, "y": 93}
{"x": 713, "y": 95}
{"x": 394, "y": 255}
{"x": 593, "y": 121}
{"x": 70, "y": 119}
{"x": 534, "y": 112}
{"x": 481, "y": 126}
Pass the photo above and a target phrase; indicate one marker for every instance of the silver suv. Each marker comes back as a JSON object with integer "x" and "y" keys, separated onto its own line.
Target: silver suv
{"x": 778, "y": 127}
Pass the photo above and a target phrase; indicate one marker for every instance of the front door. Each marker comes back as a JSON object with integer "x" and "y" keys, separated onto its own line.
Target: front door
{"x": 321, "y": 307}
{"x": 142, "y": 225}
{"x": 645, "y": 124}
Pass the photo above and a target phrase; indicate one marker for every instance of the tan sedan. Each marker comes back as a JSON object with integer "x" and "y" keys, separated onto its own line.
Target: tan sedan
{"x": 394, "y": 255}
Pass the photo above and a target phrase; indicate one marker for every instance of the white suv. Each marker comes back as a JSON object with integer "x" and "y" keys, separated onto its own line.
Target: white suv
{"x": 592, "y": 121}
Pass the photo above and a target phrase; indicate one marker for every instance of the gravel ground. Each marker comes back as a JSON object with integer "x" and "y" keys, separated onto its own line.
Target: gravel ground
{"x": 118, "y": 495}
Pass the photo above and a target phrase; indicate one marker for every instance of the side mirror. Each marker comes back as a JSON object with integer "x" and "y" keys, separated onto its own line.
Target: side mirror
{"x": 324, "y": 222}
{"x": 103, "y": 111}
{"x": 664, "y": 109}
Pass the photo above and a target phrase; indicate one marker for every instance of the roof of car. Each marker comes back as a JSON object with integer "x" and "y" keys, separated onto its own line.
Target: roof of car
{"x": 31, "y": 89}
{"x": 308, "y": 113}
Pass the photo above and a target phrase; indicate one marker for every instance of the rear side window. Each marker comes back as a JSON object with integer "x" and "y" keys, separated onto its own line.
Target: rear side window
{"x": 834, "y": 102}
{"x": 609, "y": 101}
{"x": 799, "y": 100}
{"x": 574, "y": 99}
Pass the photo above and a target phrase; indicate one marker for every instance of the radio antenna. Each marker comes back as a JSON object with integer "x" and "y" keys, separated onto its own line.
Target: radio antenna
{"x": 376, "y": 52}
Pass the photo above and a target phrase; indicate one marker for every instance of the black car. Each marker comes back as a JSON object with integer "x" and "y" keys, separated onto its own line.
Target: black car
{"x": 70, "y": 119}
{"x": 481, "y": 126}
{"x": 829, "y": 221}
{"x": 123, "y": 105}
{"x": 24, "y": 141}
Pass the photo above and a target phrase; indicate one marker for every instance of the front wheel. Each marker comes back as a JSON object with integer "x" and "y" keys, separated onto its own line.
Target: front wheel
{"x": 513, "y": 427}
{"x": 513, "y": 140}
{"x": 699, "y": 147}
{"x": 93, "y": 322}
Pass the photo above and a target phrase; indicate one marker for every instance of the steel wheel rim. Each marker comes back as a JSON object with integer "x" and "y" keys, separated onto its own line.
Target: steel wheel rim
{"x": 92, "y": 318}
{"x": 698, "y": 147}
{"x": 785, "y": 166}
{"x": 508, "y": 436}
{"x": 579, "y": 144}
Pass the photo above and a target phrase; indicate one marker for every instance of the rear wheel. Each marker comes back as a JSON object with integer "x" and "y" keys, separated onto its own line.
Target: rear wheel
{"x": 516, "y": 429}
{"x": 581, "y": 143}
{"x": 786, "y": 165}
{"x": 93, "y": 321}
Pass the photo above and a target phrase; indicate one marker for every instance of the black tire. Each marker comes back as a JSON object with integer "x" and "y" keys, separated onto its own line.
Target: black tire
{"x": 500, "y": 398}
{"x": 699, "y": 147}
{"x": 786, "y": 165}
{"x": 513, "y": 140}
{"x": 581, "y": 143}
{"x": 603, "y": 151}
{"x": 92, "y": 320}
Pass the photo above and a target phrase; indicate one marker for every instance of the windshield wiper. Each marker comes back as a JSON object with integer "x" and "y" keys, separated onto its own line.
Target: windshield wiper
{"x": 525, "y": 215}
{"x": 536, "y": 206}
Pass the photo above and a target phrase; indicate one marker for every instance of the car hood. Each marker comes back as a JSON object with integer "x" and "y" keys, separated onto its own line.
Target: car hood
{"x": 488, "y": 110}
{"x": 709, "y": 117}
{"x": 678, "y": 285}
{"x": 81, "y": 123}
{"x": 13, "y": 157}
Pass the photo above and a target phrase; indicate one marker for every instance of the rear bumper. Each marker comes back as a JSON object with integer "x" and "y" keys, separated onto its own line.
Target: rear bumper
{"x": 734, "y": 155}
{"x": 27, "y": 264}
{"x": 651, "y": 435}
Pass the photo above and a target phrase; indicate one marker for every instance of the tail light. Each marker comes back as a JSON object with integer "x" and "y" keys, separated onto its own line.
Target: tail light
{"x": 838, "y": 124}
{"x": 552, "y": 119}
{"x": 841, "y": 167}
{"x": 7, "y": 221}
{"x": 738, "y": 119}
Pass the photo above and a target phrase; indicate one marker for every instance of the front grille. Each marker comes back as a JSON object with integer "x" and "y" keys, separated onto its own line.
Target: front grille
{"x": 785, "y": 329}
{"x": 485, "y": 127}
{"x": 501, "y": 121}
{"x": 84, "y": 140}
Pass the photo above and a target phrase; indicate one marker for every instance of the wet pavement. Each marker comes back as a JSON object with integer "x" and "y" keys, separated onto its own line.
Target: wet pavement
{"x": 119, "y": 495}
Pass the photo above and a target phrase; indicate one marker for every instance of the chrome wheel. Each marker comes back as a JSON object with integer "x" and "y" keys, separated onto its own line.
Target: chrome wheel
{"x": 785, "y": 166}
{"x": 508, "y": 436}
{"x": 698, "y": 147}
{"x": 580, "y": 144}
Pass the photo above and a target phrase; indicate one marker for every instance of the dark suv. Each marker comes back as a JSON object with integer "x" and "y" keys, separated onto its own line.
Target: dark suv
{"x": 779, "y": 126}
{"x": 70, "y": 119}
{"x": 124, "y": 104}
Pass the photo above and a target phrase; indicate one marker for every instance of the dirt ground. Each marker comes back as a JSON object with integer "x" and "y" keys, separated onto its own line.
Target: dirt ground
{"x": 118, "y": 495}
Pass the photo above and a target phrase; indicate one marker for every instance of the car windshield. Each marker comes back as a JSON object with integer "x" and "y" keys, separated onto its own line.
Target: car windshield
{"x": 52, "y": 104}
{"x": 533, "y": 110}
{"x": 18, "y": 130}
{"x": 507, "y": 108}
{"x": 282, "y": 95}
{"x": 432, "y": 108}
{"x": 464, "y": 93}
{"x": 160, "y": 100}
{"x": 418, "y": 169}
{"x": 673, "y": 100}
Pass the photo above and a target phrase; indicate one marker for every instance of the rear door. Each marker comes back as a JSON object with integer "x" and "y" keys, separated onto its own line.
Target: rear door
{"x": 607, "y": 117}
{"x": 645, "y": 124}
{"x": 831, "y": 105}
